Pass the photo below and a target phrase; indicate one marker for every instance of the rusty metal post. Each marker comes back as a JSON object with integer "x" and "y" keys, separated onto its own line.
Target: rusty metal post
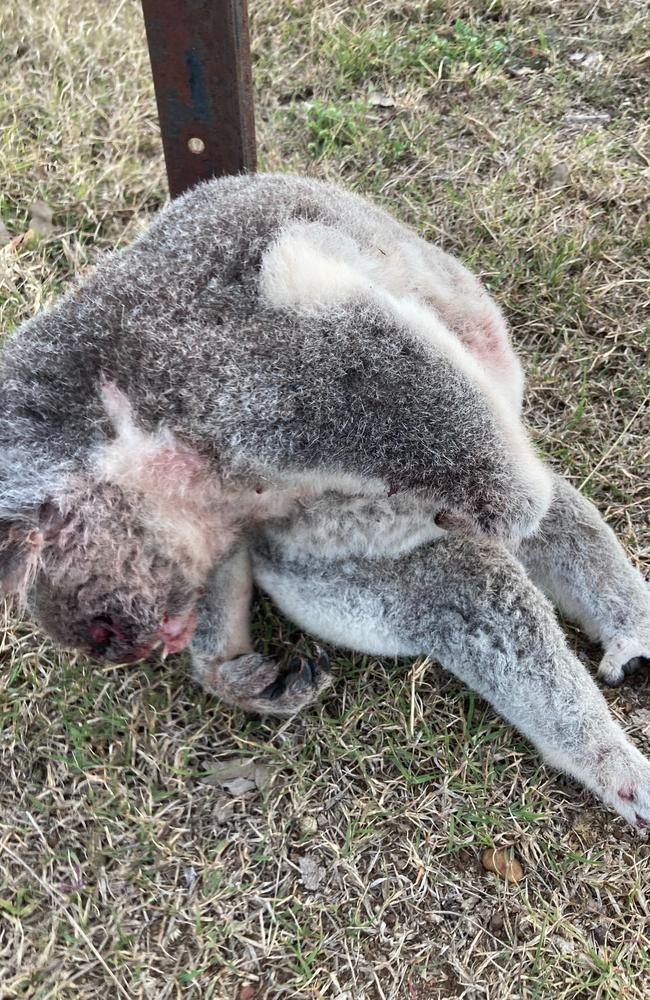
{"x": 200, "y": 58}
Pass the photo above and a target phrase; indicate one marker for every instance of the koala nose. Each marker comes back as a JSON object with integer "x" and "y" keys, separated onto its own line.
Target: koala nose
{"x": 100, "y": 630}
{"x": 115, "y": 642}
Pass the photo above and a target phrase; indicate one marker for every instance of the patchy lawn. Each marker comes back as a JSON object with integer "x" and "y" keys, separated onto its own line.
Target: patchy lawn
{"x": 347, "y": 864}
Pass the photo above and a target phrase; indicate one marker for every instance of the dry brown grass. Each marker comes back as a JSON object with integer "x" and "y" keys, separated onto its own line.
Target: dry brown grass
{"x": 125, "y": 869}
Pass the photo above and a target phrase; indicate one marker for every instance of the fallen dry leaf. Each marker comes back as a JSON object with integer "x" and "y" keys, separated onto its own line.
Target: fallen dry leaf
{"x": 309, "y": 825}
{"x": 557, "y": 176}
{"x": 586, "y": 59}
{"x": 499, "y": 860}
{"x": 41, "y": 218}
{"x": 239, "y": 776}
{"x": 239, "y": 786}
{"x": 310, "y": 871}
{"x": 22, "y": 239}
{"x": 380, "y": 100}
{"x": 247, "y": 992}
{"x": 564, "y": 946}
{"x": 222, "y": 810}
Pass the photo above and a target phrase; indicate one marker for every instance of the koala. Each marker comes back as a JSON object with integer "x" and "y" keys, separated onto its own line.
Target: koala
{"x": 279, "y": 384}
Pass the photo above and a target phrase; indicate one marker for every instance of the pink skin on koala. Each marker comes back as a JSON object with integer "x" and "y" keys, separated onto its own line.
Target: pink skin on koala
{"x": 174, "y": 634}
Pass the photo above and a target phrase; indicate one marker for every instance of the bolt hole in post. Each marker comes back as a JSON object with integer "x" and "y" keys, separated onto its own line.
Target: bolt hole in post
{"x": 195, "y": 145}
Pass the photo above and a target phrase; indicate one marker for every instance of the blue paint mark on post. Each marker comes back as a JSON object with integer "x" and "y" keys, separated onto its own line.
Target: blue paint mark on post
{"x": 200, "y": 104}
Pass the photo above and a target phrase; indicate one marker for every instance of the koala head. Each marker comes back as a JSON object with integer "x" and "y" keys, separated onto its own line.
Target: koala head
{"x": 100, "y": 575}
{"x": 113, "y": 559}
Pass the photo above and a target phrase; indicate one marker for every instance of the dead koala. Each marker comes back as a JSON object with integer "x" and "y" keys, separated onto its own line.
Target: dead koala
{"x": 280, "y": 383}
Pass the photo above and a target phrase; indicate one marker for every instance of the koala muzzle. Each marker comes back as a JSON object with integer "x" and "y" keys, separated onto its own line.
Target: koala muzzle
{"x": 110, "y": 641}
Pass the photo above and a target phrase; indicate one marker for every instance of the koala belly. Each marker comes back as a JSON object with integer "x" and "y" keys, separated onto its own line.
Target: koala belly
{"x": 335, "y": 526}
{"x": 307, "y": 563}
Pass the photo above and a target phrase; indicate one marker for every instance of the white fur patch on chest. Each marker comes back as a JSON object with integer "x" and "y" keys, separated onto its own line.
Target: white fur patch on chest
{"x": 337, "y": 526}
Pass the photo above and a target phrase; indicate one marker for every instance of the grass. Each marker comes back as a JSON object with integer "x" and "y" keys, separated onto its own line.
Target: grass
{"x": 514, "y": 134}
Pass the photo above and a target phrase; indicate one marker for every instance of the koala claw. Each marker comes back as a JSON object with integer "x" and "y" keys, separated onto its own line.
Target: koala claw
{"x": 261, "y": 685}
{"x": 301, "y": 677}
{"x": 296, "y": 687}
{"x": 623, "y": 656}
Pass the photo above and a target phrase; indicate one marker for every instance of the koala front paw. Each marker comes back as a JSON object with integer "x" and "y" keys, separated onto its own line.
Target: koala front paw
{"x": 261, "y": 685}
{"x": 235, "y": 681}
{"x": 624, "y": 655}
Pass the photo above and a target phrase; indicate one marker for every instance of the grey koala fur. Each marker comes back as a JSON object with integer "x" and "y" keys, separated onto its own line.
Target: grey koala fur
{"x": 279, "y": 382}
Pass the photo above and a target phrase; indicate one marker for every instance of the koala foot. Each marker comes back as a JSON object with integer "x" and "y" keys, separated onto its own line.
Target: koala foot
{"x": 623, "y": 781}
{"x": 261, "y": 685}
{"x": 623, "y": 656}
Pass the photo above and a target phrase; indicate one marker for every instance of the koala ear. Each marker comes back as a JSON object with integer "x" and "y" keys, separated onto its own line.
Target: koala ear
{"x": 20, "y": 550}
{"x": 156, "y": 464}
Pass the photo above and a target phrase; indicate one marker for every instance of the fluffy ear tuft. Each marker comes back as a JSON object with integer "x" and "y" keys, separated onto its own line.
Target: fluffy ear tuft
{"x": 20, "y": 552}
{"x": 156, "y": 464}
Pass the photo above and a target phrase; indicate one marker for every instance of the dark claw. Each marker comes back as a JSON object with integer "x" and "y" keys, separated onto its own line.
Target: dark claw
{"x": 636, "y": 663}
{"x": 323, "y": 661}
{"x": 302, "y": 673}
{"x": 274, "y": 690}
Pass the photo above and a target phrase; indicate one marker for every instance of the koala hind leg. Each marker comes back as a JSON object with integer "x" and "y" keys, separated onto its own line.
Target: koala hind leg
{"x": 575, "y": 558}
{"x": 223, "y": 659}
{"x": 470, "y": 604}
